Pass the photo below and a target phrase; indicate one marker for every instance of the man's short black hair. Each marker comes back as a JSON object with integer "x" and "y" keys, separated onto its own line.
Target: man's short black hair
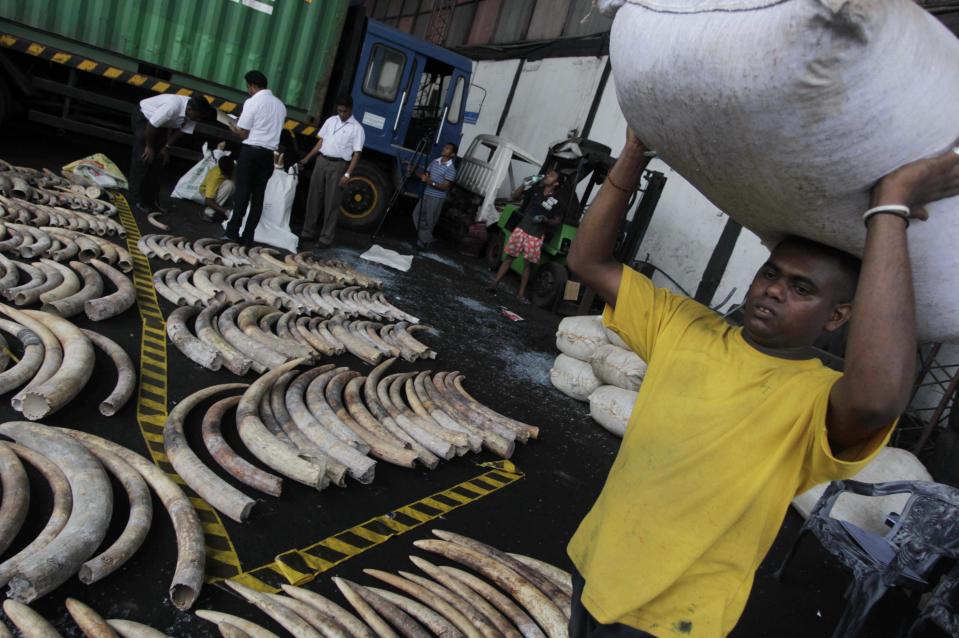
{"x": 203, "y": 110}
{"x": 345, "y": 100}
{"x": 848, "y": 265}
{"x": 256, "y": 78}
{"x": 226, "y": 164}
{"x": 455, "y": 147}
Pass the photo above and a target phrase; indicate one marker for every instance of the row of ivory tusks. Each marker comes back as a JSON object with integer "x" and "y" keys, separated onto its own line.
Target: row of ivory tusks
{"x": 253, "y": 335}
{"x": 503, "y": 595}
{"x": 56, "y": 361}
{"x": 16, "y": 210}
{"x": 47, "y": 188}
{"x": 216, "y": 252}
{"x": 316, "y": 427}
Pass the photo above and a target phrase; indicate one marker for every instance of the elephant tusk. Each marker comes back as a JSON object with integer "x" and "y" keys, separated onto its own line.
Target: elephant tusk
{"x": 235, "y": 465}
{"x": 434, "y": 622}
{"x": 406, "y": 624}
{"x": 430, "y": 599}
{"x": 113, "y": 304}
{"x": 73, "y": 304}
{"x": 29, "y": 622}
{"x": 90, "y": 622}
{"x": 191, "y": 347}
{"x": 251, "y": 629}
{"x": 30, "y": 360}
{"x": 233, "y": 360}
{"x": 16, "y": 496}
{"x": 126, "y": 375}
{"x": 366, "y": 612}
{"x": 485, "y": 627}
{"x": 288, "y": 619}
{"x": 526, "y": 625}
{"x": 131, "y": 629}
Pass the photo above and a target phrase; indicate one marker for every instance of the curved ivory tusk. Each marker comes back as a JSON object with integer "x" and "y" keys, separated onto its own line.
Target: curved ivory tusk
{"x": 360, "y": 414}
{"x": 335, "y": 470}
{"x": 227, "y": 458}
{"x": 428, "y": 598}
{"x": 252, "y": 629}
{"x": 191, "y": 347}
{"x": 318, "y": 620}
{"x": 152, "y": 218}
{"x": 29, "y": 622}
{"x": 113, "y": 304}
{"x": 30, "y": 360}
{"x": 389, "y": 391}
{"x": 191, "y": 551}
{"x": 475, "y": 417}
{"x": 315, "y": 339}
{"x": 288, "y": 619}
{"x": 380, "y": 448}
{"x": 476, "y": 618}
{"x": 130, "y": 629}
{"x": 238, "y": 339}
{"x": 556, "y": 594}
{"x": 541, "y": 608}
{"x": 526, "y": 625}
{"x": 499, "y": 622}
{"x": 357, "y": 348}
{"x": 49, "y": 567}
{"x": 73, "y": 304}
{"x": 138, "y": 520}
{"x": 277, "y": 455}
{"x": 60, "y": 514}
{"x": 433, "y": 621}
{"x": 406, "y": 624}
{"x": 69, "y": 285}
{"x": 203, "y": 283}
{"x": 206, "y": 255}
{"x": 559, "y": 577}
{"x": 462, "y": 418}
{"x": 247, "y": 322}
{"x": 90, "y": 622}
{"x": 10, "y": 274}
{"x": 214, "y": 490}
{"x": 359, "y": 466}
{"x": 231, "y": 631}
{"x": 191, "y": 291}
{"x": 430, "y": 414}
{"x": 35, "y": 277}
{"x": 29, "y": 296}
{"x": 68, "y": 381}
{"x": 16, "y": 496}
{"x": 126, "y": 375}
{"x": 519, "y": 427}
{"x": 353, "y": 625}
{"x": 366, "y": 612}
{"x": 233, "y": 360}
{"x": 159, "y": 284}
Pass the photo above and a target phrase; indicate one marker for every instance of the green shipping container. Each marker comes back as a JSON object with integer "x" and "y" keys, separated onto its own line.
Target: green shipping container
{"x": 207, "y": 44}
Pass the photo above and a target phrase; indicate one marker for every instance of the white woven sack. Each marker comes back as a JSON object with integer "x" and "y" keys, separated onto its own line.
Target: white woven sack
{"x": 573, "y": 377}
{"x": 869, "y": 513}
{"x": 611, "y": 406}
{"x": 618, "y": 366}
{"x": 785, "y": 113}
{"x": 579, "y": 337}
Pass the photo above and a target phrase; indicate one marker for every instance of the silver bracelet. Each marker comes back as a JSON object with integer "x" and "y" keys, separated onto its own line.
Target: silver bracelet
{"x": 898, "y": 210}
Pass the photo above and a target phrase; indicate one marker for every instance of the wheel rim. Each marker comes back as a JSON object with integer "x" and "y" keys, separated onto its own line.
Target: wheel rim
{"x": 360, "y": 198}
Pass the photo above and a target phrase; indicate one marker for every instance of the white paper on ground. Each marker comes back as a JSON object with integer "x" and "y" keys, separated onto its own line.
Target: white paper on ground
{"x": 388, "y": 257}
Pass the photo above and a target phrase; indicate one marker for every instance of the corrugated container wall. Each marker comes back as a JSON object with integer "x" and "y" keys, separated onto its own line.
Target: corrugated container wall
{"x": 209, "y": 43}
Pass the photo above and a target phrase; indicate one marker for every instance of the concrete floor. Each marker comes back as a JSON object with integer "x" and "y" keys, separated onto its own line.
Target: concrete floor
{"x": 506, "y": 364}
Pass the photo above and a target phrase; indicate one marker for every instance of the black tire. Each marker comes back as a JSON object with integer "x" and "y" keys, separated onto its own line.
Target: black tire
{"x": 548, "y": 284}
{"x": 493, "y": 253}
{"x": 365, "y": 197}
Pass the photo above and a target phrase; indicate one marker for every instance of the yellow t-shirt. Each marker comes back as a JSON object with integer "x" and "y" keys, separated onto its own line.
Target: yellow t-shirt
{"x": 721, "y": 438}
{"x": 211, "y": 183}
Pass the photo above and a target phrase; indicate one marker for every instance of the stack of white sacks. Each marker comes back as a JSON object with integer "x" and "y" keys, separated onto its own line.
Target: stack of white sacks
{"x": 595, "y": 365}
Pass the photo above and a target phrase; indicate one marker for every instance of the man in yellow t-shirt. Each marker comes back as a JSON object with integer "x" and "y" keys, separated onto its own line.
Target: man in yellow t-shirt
{"x": 217, "y": 189}
{"x": 732, "y": 422}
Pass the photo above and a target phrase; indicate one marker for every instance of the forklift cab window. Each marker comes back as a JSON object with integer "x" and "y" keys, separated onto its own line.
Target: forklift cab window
{"x": 384, "y": 73}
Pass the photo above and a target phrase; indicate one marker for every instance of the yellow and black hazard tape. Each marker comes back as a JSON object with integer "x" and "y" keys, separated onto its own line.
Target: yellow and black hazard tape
{"x": 82, "y": 63}
{"x": 222, "y": 560}
{"x": 298, "y": 566}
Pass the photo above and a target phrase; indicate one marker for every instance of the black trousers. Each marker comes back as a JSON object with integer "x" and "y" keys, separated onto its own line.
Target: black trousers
{"x": 583, "y": 625}
{"x": 253, "y": 170}
{"x": 144, "y": 179}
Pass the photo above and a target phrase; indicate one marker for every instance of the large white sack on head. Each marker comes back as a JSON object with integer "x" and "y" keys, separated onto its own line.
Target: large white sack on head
{"x": 611, "y": 406}
{"x": 573, "y": 377}
{"x": 785, "y": 113}
{"x": 618, "y": 366}
{"x": 869, "y": 512}
{"x": 579, "y": 337}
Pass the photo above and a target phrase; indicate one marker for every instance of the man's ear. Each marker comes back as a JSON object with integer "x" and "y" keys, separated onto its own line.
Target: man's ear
{"x": 841, "y": 313}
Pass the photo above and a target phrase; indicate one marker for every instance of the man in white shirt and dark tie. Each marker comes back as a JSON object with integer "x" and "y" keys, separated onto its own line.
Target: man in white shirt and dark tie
{"x": 176, "y": 114}
{"x": 259, "y": 126}
{"x": 339, "y": 145}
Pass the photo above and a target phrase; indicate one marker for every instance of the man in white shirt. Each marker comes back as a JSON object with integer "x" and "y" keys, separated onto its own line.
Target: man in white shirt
{"x": 175, "y": 114}
{"x": 259, "y": 126}
{"x": 339, "y": 144}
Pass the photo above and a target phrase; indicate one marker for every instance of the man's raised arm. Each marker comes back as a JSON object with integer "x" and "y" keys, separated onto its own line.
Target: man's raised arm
{"x": 591, "y": 255}
{"x": 881, "y": 352}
